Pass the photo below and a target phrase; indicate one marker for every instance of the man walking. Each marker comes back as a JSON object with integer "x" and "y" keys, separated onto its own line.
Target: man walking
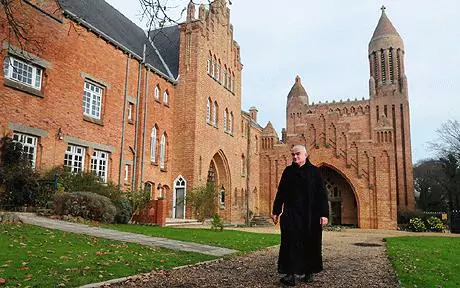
{"x": 301, "y": 203}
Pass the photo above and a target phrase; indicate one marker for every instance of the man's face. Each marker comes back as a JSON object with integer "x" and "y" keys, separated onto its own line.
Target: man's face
{"x": 299, "y": 156}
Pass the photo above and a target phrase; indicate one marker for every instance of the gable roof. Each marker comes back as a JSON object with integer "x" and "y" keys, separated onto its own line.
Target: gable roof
{"x": 108, "y": 22}
{"x": 167, "y": 41}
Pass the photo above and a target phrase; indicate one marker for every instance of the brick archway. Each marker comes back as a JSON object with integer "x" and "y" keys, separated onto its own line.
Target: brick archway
{"x": 219, "y": 173}
{"x": 343, "y": 202}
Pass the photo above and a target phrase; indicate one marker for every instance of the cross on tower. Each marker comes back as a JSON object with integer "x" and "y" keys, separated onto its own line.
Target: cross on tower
{"x": 383, "y": 8}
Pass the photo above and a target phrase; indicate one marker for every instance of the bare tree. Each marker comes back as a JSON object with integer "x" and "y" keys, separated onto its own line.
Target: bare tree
{"x": 16, "y": 28}
{"x": 448, "y": 139}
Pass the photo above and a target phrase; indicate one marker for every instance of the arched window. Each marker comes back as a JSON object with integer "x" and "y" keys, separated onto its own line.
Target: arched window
{"x": 163, "y": 151}
{"x": 222, "y": 196}
{"x": 218, "y": 71}
{"x": 230, "y": 123}
{"x": 214, "y": 67}
{"x": 208, "y": 111}
{"x": 209, "y": 64}
{"x": 153, "y": 144}
{"x": 225, "y": 120}
{"x": 166, "y": 97}
{"x": 224, "y": 77}
{"x": 383, "y": 66}
{"x": 157, "y": 93}
{"x": 215, "y": 113}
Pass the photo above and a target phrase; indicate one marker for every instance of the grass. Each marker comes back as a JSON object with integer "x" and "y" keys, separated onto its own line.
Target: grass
{"x": 31, "y": 256}
{"x": 238, "y": 240}
{"x": 426, "y": 261}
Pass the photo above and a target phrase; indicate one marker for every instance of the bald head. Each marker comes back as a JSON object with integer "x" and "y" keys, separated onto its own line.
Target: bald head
{"x": 299, "y": 154}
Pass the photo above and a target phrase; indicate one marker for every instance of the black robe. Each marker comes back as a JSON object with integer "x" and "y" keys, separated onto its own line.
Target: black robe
{"x": 302, "y": 198}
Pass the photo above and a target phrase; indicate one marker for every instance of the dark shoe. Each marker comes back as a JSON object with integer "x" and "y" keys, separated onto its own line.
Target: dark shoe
{"x": 308, "y": 278}
{"x": 288, "y": 280}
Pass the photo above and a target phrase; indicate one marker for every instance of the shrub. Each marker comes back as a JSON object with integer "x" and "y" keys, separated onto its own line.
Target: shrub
{"x": 216, "y": 223}
{"x": 85, "y": 204}
{"x": 416, "y": 224}
{"x": 19, "y": 182}
{"x": 203, "y": 200}
{"x": 137, "y": 199}
{"x": 406, "y": 215}
{"x": 124, "y": 211}
{"x": 83, "y": 181}
{"x": 435, "y": 224}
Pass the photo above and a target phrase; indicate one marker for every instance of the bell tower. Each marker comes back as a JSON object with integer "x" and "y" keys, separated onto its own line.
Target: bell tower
{"x": 389, "y": 106}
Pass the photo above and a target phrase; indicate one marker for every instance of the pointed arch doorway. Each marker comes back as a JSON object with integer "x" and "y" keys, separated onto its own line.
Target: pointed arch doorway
{"x": 219, "y": 174}
{"x": 342, "y": 202}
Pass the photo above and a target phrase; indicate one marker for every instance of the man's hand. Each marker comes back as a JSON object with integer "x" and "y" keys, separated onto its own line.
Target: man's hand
{"x": 323, "y": 220}
{"x": 275, "y": 219}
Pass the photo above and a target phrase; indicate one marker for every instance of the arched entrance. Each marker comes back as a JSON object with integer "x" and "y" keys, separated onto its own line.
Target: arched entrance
{"x": 342, "y": 202}
{"x": 219, "y": 173}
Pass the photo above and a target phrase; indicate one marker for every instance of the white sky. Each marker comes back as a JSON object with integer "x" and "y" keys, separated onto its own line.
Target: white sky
{"x": 325, "y": 43}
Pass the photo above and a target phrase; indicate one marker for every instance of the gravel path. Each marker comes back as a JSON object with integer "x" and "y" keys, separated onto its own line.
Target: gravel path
{"x": 351, "y": 259}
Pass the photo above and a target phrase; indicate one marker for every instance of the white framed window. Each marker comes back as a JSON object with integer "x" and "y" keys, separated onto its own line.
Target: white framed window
{"x": 224, "y": 77}
{"x": 225, "y": 120}
{"x": 127, "y": 172}
{"x": 218, "y": 72}
{"x": 166, "y": 97}
{"x": 29, "y": 146}
{"x": 92, "y": 100}
{"x": 208, "y": 111}
{"x": 99, "y": 162}
{"x": 230, "y": 123}
{"x": 156, "y": 93}
{"x": 208, "y": 65}
{"x": 23, "y": 72}
{"x": 153, "y": 145}
{"x": 163, "y": 151}
{"x": 214, "y": 113}
{"x": 130, "y": 111}
{"x": 213, "y": 68}
{"x": 74, "y": 158}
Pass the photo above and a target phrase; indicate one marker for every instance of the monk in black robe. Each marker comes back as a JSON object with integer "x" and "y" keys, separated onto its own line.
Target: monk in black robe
{"x": 301, "y": 203}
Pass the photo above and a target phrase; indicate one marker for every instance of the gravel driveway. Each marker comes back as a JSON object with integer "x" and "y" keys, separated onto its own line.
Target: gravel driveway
{"x": 351, "y": 259}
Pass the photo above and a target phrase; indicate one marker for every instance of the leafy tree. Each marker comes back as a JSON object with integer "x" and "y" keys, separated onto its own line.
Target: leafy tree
{"x": 428, "y": 175}
{"x": 203, "y": 200}
{"x": 19, "y": 183}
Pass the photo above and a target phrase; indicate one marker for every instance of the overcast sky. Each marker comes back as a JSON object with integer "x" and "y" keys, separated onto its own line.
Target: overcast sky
{"x": 325, "y": 43}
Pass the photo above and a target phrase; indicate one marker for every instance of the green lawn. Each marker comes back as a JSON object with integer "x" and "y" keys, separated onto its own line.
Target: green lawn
{"x": 238, "y": 240}
{"x": 426, "y": 261}
{"x": 37, "y": 257}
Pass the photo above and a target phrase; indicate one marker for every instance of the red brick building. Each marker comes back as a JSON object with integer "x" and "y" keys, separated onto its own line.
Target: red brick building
{"x": 361, "y": 146}
{"x": 162, "y": 111}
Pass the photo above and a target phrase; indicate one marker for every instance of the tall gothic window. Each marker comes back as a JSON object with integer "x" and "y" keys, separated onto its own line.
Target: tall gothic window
{"x": 163, "y": 151}
{"x": 208, "y": 111}
{"x": 382, "y": 65}
{"x": 215, "y": 113}
{"x": 391, "y": 66}
{"x": 153, "y": 145}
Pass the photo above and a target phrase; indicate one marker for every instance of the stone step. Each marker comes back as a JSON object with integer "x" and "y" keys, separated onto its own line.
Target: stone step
{"x": 181, "y": 222}
{"x": 261, "y": 221}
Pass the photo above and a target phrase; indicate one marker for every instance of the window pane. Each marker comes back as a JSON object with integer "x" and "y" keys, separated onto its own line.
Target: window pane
{"x": 92, "y": 100}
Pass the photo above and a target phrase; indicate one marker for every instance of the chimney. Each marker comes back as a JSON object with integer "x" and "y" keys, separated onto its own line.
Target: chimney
{"x": 253, "y": 113}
